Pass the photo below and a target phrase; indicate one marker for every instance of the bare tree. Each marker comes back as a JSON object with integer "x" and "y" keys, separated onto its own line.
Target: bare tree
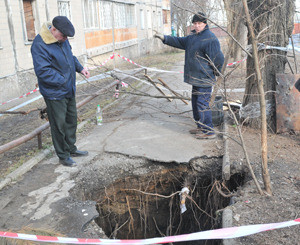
{"x": 273, "y": 25}
{"x": 181, "y": 19}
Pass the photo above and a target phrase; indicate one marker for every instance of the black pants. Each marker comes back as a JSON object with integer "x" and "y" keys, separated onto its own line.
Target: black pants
{"x": 62, "y": 116}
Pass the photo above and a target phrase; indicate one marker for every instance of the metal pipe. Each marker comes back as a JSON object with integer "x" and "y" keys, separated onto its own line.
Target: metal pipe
{"x": 37, "y": 131}
{"x": 23, "y": 139}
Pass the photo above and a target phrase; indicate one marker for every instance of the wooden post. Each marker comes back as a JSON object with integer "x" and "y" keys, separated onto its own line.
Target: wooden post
{"x": 39, "y": 137}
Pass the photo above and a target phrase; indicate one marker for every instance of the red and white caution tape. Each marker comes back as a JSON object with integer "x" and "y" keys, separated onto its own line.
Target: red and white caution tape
{"x": 148, "y": 68}
{"x": 128, "y": 60}
{"x": 110, "y": 58}
{"x": 237, "y": 62}
{"x": 24, "y": 95}
{"x": 102, "y": 64}
{"x": 225, "y": 233}
{"x": 37, "y": 89}
{"x": 125, "y": 85}
{"x": 153, "y": 69}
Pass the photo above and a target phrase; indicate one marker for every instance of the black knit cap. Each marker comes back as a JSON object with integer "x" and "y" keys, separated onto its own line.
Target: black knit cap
{"x": 199, "y": 17}
{"x": 64, "y": 25}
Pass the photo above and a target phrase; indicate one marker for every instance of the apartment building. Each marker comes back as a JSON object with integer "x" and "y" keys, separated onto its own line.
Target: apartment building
{"x": 102, "y": 27}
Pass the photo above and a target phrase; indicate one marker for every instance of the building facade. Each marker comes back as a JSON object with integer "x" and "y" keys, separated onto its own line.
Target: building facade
{"x": 102, "y": 27}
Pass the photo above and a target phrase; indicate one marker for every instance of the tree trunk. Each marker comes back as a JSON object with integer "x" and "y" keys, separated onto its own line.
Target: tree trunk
{"x": 234, "y": 9}
{"x": 273, "y": 24}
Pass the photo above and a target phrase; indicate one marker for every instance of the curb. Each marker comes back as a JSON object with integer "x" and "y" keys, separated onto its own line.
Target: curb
{"x": 24, "y": 168}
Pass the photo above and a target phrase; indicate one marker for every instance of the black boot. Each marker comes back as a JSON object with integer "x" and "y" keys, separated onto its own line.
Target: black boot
{"x": 78, "y": 153}
{"x": 68, "y": 162}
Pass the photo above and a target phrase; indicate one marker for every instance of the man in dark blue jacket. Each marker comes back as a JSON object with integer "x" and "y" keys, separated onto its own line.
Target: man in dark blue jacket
{"x": 203, "y": 61}
{"x": 56, "y": 67}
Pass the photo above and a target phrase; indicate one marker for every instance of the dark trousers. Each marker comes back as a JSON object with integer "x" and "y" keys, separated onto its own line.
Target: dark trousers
{"x": 62, "y": 116}
{"x": 201, "y": 111}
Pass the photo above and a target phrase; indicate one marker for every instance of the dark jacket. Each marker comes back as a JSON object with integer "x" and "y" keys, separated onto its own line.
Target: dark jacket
{"x": 199, "y": 50}
{"x": 54, "y": 65}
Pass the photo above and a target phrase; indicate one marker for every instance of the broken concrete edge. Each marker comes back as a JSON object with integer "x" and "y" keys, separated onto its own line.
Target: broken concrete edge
{"x": 226, "y": 223}
{"x": 27, "y": 166}
{"x": 227, "y": 213}
{"x": 226, "y": 160}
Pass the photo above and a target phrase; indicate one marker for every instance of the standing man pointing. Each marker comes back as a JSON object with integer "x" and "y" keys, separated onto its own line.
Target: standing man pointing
{"x": 56, "y": 67}
{"x": 203, "y": 61}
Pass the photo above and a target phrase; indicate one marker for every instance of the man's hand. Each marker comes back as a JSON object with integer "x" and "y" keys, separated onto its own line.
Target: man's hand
{"x": 85, "y": 72}
{"x": 159, "y": 35}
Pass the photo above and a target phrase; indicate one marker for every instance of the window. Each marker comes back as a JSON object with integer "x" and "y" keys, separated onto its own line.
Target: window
{"x": 142, "y": 19}
{"x": 90, "y": 14}
{"x": 64, "y": 8}
{"x": 130, "y": 15}
{"x": 105, "y": 15}
{"x": 119, "y": 15}
{"x": 96, "y": 12}
{"x": 123, "y": 14}
{"x": 29, "y": 20}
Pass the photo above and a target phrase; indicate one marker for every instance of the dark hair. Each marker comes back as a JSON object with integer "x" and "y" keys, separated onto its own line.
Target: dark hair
{"x": 199, "y": 17}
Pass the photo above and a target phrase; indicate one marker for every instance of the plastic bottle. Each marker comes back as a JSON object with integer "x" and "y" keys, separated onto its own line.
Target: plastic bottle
{"x": 99, "y": 115}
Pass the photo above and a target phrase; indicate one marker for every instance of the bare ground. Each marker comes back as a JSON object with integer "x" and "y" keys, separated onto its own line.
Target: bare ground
{"x": 284, "y": 204}
{"x": 284, "y": 169}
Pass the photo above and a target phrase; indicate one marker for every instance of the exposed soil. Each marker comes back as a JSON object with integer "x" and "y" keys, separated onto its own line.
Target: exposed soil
{"x": 284, "y": 204}
{"x": 249, "y": 207}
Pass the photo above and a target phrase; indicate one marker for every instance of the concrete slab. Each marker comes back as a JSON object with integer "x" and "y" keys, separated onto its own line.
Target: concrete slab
{"x": 157, "y": 135}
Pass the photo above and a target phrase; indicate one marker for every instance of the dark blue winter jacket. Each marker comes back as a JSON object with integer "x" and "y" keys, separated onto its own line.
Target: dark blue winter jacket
{"x": 201, "y": 50}
{"x": 54, "y": 65}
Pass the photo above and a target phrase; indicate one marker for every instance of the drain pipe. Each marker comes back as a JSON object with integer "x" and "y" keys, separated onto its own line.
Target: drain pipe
{"x": 12, "y": 32}
{"x": 37, "y": 132}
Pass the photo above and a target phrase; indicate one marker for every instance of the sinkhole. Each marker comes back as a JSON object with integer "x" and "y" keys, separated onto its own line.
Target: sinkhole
{"x": 148, "y": 205}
